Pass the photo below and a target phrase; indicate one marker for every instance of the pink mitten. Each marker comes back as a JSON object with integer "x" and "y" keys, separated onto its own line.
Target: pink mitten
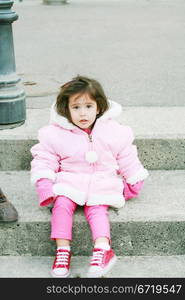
{"x": 132, "y": 190}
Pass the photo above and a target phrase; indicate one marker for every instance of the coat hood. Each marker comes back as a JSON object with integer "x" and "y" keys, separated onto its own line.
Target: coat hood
{"x": 113, "y": 112}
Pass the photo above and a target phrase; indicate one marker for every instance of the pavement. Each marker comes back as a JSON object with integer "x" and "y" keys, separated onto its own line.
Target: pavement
{"x": 135, "y": 48}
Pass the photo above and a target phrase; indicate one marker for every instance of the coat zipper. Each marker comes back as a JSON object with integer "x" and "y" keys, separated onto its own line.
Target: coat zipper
{"x": 90, "y": 141}
{"x": 90, "y": 138}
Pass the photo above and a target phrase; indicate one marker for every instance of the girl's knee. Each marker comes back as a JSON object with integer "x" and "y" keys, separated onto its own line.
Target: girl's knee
{"x": 64, "y": 203}
{"x": 95, "y": 210}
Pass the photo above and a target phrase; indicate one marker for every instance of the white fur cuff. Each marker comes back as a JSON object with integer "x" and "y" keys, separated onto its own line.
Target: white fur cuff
{"x": 43, "y": 174}
{"x": 140, "y": 175}
{"x": 115, "y": 200}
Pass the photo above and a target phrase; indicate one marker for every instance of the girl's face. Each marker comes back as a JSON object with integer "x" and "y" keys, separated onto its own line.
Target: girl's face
{"x": 83, "y": 110}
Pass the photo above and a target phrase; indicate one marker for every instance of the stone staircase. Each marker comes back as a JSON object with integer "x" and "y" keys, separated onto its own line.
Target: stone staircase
{"x": 148, "y": 234}
{"x": 148, "y": 229}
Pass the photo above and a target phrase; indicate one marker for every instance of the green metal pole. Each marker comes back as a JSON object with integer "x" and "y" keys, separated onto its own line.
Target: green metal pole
{"x": 12, "y": 95}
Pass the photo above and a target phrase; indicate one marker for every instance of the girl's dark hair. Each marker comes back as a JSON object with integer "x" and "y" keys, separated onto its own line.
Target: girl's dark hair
{"x": 81, "y": 85}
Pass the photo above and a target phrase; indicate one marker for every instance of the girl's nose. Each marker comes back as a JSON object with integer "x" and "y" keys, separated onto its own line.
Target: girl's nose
{"x": 82, "y": 111}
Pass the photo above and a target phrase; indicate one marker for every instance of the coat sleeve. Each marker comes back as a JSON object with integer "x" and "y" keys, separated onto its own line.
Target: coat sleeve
{"x": 130, "y": 166}
{"x": 44, "y": 188}
{"x": 45, "y": 161}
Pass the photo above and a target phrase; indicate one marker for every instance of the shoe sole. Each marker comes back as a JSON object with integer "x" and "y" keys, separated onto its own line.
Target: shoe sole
{"x": 60, "y": 276}
{"x": 105, "y": 270}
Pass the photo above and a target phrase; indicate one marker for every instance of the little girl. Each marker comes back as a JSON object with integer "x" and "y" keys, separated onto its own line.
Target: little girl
{"x": 85, "y": 157}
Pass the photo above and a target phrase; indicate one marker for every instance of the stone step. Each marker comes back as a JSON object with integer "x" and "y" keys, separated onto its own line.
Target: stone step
{"x": 152, "y": 224}
{"x": 159, "y": 136}
{"x": 126, "y": 266}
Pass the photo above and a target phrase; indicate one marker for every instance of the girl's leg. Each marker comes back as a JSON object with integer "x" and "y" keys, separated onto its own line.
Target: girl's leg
{"x": 98, "y": 219}
{"x": 103, "y": 257}
{"x": 61, "y": 231}
{"x": 62, "y": 220}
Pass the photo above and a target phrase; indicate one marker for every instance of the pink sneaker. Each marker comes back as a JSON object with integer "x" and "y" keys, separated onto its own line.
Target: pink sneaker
{"x": 101, "y": 262}
{"x": 61, "y": 263}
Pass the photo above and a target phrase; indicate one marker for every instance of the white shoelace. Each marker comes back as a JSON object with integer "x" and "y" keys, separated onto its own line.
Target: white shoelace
{"x": 97, "y": 257}
{"x": 62, "y": 258}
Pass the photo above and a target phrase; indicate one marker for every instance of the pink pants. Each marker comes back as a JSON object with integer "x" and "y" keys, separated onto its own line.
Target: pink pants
{"x": 62, "y": 219}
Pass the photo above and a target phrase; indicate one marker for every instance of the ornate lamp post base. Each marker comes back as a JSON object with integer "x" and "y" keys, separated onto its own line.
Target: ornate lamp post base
{"x": 12, "y": 95}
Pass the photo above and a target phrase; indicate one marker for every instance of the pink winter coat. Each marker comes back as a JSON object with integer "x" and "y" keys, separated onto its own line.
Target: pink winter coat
{"x": 89, "y": 169}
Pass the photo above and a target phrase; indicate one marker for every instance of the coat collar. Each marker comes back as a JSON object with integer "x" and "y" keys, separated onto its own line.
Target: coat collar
{"x": 113, "y": 112}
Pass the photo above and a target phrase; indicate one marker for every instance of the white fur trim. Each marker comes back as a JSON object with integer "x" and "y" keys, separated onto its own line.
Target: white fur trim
{"x": 43, "y": 174}
{"x": 140, "y": 175}
{"x": 115, "y": 109}
{"x": 68, "y": 191}
{"x": 113, "y": 112}
{"x": 115, "y": 200}
{"x": 60, "y": 120}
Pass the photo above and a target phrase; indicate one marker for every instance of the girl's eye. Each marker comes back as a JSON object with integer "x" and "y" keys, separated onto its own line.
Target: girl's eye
{"x": 89, "y": 106}
{"x": 75, "y": 107}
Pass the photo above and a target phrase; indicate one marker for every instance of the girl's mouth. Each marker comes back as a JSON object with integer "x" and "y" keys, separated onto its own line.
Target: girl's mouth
{"x": 83, "y": 121}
